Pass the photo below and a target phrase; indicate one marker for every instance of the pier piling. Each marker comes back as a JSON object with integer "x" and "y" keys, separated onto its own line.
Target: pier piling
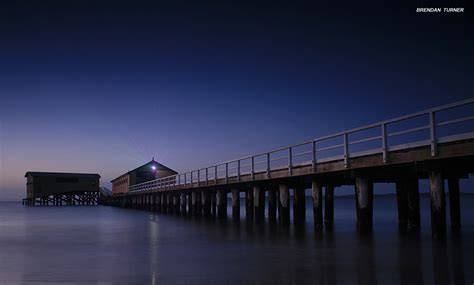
{"x": 454, "y": 203}
{"x": 189, "y": 203}
{"x": 221, "y": 204}
{"x": 259, "y": 203}
{"x": 329, "y": 206}
{"x": 182, "y": 203}
{"x": 213, "y": 203}
{"x": 272, "y": 205}
{"x": 299, "y": 205}
{"x": 206, "y": 203}
{"x": 438, "y": 205}
{"x": 364, "y": 201}
{"x": 401, "y": 188}
{"x": 317, "y": 205}
{"x": 249, "y": 207}
{"x": 235, "y": 204}
{"x": 284, "y": 204}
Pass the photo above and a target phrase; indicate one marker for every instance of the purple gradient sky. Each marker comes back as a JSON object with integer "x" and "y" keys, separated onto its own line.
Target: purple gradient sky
{"x": 102, "y": 86}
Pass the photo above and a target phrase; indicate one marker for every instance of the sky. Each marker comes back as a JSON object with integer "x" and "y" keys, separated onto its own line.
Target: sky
{"x": 104, "y": 86}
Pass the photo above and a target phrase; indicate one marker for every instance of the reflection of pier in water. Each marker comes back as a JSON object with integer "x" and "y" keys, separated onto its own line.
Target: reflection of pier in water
{"x": 437, "y": 144}
{"x": 297, "y": 255}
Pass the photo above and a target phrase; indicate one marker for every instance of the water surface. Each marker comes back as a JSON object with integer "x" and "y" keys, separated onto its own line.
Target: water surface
{"x": 105, "y": 245}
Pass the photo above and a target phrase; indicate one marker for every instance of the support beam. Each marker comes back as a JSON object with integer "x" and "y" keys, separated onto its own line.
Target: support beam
{"x": 169, "y": 203}
{"x": 153, "y": 202}
{"x": 194, "y": 197}
{"x": 329, "y": 206}
{"x": 182, "y": 203}
{"x": 206, "y": 202}
{"x": 317, "y": 195}
{"x": 221, "y": 204}
{"x": 413, "y": 209}
{"x": 249, "y": 207}
{"x": 213, "y": 203}
{"x": 284, "y": 204}
{"x": 454, "y": 203}
{"x": 438, "y": 205}
{"x": 299, "y": 205}
{"x": 189, "y": 203}
{"x": 259, "y": 203}
{"x": 159, "y": 203}
{"x": 164, "y": 201}
{"x": 401, "y": 188}
{"x": 175, "y": 204}
{"x": 364, "y": 202}
{"x": 272, "y": 205}
{"x": 235, "y": 204}
{"x": 198, "y": 203}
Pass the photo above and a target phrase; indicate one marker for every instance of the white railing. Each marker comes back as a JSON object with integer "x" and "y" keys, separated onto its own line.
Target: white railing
{"x": 337, "y": 145}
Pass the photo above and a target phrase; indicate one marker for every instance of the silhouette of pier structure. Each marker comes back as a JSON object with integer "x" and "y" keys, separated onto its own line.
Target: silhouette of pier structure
{"x": 435, "y": 144}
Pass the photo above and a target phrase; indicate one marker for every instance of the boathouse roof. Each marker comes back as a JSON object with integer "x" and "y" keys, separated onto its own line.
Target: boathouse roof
{"x": 59, "y": 174}
{"x": 151, "y": 163}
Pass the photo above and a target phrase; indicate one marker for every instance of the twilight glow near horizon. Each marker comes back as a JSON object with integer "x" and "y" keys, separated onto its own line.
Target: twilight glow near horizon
{"x": 103, "y": 86}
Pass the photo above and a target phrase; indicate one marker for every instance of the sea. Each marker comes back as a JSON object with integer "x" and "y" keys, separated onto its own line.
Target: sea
{"x": 107, "y": 245}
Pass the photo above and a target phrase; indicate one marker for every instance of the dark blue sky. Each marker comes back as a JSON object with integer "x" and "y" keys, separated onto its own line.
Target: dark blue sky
{"x": 102, "y": 86}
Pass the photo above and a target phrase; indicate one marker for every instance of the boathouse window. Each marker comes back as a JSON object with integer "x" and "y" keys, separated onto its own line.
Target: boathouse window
{"x": 67, "y": 180}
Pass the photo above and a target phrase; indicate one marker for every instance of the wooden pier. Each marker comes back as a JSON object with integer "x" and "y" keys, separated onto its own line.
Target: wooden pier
{"x": 358, "y": 157}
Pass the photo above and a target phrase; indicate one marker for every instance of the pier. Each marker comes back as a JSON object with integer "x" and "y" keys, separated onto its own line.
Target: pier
{"x": 403, "y": 150}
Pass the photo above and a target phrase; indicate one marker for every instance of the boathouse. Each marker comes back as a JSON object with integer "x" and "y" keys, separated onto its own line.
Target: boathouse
{"x": 149, "y": 171}
{"x": 59, "y": 187}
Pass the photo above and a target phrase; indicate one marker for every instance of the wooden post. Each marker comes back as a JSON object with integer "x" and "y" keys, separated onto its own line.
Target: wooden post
{"x": 401, "y": 188}
{"x": 413, "y": 211}
{"x": 213, "y": 203}
{"x": 206, "y": 202}
{"x": 194, "y": 202}
{"x": 152, "y": 202}
{"x": 176, "y": 206}
{"x": 158, "y": 202}
{"x": 235, "y": 204}
{"x": 272, "y": 205}
{"x": 454, "y": 203}
{"x": 259, "y": 203}
{"x": 189, "y": 203}
{"x": 438, "y": 205}
{"x": 249, "y": 211}
{"x": 198, "y": 203}
{"x": 317, "y": 195}
{"x": 364, "y": 202}
{"x": 221, "y": 204}
{"x": 299, "y": 205}
{"x": 164, "y": 202}
{"x": 182, "y": 203}
{"x": 284, "y": 204}
{"x": 329, "y": 206}
{"x": 169, "y": 203}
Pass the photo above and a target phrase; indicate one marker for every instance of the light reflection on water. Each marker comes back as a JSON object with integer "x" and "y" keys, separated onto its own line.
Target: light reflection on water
{"x": 105, "y": 245}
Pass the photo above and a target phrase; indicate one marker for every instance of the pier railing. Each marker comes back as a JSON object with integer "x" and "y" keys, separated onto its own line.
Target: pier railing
{"x": 447, "y": 123}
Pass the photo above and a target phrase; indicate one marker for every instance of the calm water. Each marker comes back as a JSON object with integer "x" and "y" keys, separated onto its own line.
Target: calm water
{"x": 105, "y": 245}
